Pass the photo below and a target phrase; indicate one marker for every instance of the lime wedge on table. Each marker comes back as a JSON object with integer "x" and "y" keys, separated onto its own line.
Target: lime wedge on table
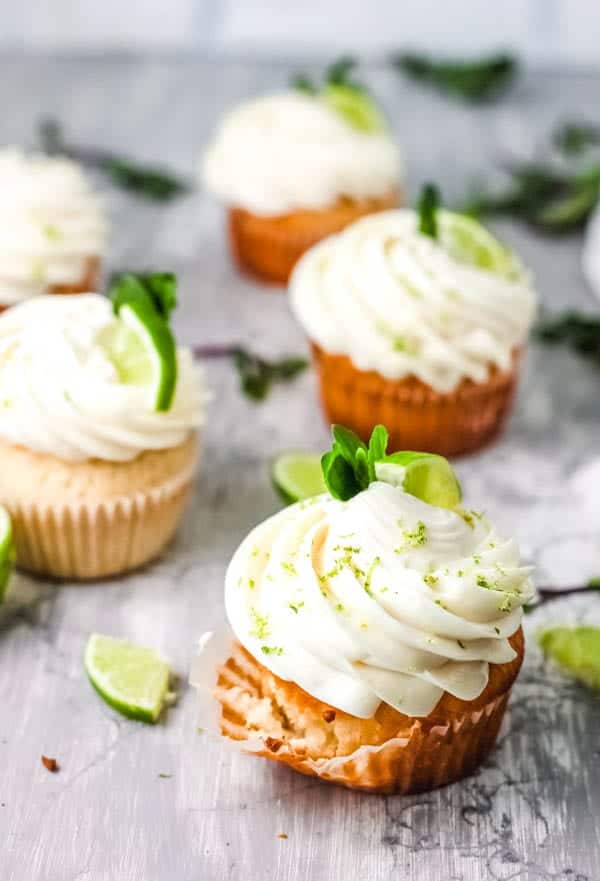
{"x": 298, "y": 476}
{"x": 131, "y": 679}
{"x": 7, "y": 552}
{"x": 357, "y": 108}
{"x": 469, "y": 242}
{"x": 141, "y": 346}
{"x": 424, "y": 475}
{"x": 576, "y": 650}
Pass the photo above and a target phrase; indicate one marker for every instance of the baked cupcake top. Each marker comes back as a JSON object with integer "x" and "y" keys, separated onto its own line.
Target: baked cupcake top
{"x": 53, "y": 222}
{"x": 402, "y": 302}
{"x": 79, "y": 381}
{"x": 294, "y": 151}
{"x": 381, "y": 597}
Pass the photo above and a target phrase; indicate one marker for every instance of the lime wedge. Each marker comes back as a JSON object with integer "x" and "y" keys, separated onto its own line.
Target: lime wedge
{"x": 469, "y": 242}
{"x": 424, "y": 475}
{"x": 297, "y": 476}
{"x": 576, "y": 650}
{"x": 141, "y": 346}
{"x": 357, "y": 108}
{"x": 7, "y": 552}
{"x": 131, "y": 679}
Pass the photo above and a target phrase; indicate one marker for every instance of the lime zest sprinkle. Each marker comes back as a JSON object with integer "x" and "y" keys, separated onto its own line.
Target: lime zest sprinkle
{"x": 367, "y": 585}
{"x": 52, "y": 232}
{"x": 289, "y": 567}
{"x": 271, "y": 650}
{"x": 261, "y": 628}
{"x": 339, "y": 607}
{"x": 430, "y": 579}
{"x": 295, "y": 607}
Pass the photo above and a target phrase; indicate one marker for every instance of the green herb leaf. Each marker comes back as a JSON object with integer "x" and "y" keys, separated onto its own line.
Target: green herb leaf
{"x": 480, "y": 80}
{"x": 553, "y": 200}
{"x": 377, "y": 446}
{"x": 302, "y": 83}
{"x": 349, "y": 466}
{"x": 577, "y": 331}
{"x": 338, "y": 73}
{"x": 257, "y": 375}
{"x": 573, "y": 138}
{"x": 149, "y": 181}
{"x": 427, "y": 207}
{"x": 576, "y": 650}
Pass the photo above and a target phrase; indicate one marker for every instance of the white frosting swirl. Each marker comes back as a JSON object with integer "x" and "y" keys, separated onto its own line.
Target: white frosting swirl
{"x": 291, "y": 151}
{"x": 398, "y": 302}
{"x": 52, "y": 222}
{"x": 382, "y": 598}
{"x": 60, "y": 392}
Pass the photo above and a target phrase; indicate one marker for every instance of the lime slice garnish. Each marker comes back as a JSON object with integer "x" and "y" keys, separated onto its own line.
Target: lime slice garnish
{"x": 357, "y": 108}
{"x": 131, "y": 679}
{"x": 7, "y": 552}
{"x": 297, "y": 476}
{"x": 576, "y": 650}
{"x": 141, "y": 346}
{"x": 469, "y": 242}
{"x": 425, "y": 475}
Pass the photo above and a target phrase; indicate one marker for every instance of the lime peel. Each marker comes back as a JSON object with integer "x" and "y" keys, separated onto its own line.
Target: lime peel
{"x": 297, "y": 475}
{"x": 7, "y": 552}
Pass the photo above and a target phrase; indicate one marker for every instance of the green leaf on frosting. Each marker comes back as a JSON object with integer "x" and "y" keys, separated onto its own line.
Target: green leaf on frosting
{"x": 427, "y": 208}
{"x": 576, "y": 650}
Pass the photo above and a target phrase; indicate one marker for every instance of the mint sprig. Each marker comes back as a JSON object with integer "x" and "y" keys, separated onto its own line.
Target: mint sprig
{"x": 427, "y": 207}
{"x": 349, "y": 467}
{"x": 337, "y": 74}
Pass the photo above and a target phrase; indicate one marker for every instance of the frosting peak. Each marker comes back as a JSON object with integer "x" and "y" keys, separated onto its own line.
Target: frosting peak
{"x": 398, "y": 302}
{"x": 381, "y": 598}
{"x": 52, "y": 224}
{"x": 292, "y": 151}
{"x": 60, "y": 392}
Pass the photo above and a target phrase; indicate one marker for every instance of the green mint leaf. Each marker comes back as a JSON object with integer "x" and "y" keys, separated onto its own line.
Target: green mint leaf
{"x": 361, "y": 467}
{"x": 483, "y": 79}
{"x": 302, "y": 83}
{"x": 338, "y": 73}
{"x": 257, "y": 375}
{"x": 576, "y": 330}
{"x": 377, "y": 446}
{"x": 427, "y": 207}
{"x": 339, "y": 476}
{"x": 347, "y": 443}
{"x": 576, "y": 650}
{"x": 573, "y": 138}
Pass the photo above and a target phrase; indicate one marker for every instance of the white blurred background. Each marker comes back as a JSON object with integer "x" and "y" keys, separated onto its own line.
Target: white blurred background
{"x": 545, "y": 32}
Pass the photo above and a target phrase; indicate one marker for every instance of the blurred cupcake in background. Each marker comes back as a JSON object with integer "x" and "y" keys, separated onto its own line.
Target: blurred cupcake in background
{"x": 295, "y": 167}
{"x": 417, "y": 320}
{"x": 99, "y": 420}
{"x": 54, "y": 231}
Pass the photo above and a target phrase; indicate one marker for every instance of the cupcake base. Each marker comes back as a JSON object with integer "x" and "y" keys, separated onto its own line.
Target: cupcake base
{"x": 93, "y": 519}
{"x": 269, "y": 247}
{"x": 89, "y": 282}
{"x": 416, "y": 416}
{"x": 389, "y": 753}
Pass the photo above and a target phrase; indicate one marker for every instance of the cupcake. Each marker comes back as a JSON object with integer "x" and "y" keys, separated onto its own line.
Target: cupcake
{"x": 54, "y": 231}
{"x": 377, "y": 635}
{"x": 295, "y": 167}
{"x": 422, "y": 332}
{"x": 99, "y": 415}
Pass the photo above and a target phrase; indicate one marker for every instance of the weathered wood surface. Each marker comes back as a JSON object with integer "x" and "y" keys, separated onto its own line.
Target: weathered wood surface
{"x": 109, "y": 815}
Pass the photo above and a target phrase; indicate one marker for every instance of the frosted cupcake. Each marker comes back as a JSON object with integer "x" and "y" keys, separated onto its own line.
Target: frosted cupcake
{"x": 99, "y": 415}
{"x": 421, "y": 332}
{"x": 54, "y": 232}
{"x": 378, "y": 634}
{"x": 295, "y": 167}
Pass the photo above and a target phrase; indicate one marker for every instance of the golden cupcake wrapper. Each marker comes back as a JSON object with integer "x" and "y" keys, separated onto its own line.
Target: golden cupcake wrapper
{"x": 269, "y": 247}
{"x": 85, "y": 540}
{"x": 430, "y": 754}
{"x": 88, "y": 282}
{"x": 416, "y": 416}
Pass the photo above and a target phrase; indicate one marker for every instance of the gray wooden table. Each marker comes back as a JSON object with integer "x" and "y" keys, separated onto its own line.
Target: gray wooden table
{"x": 164, "y": 804}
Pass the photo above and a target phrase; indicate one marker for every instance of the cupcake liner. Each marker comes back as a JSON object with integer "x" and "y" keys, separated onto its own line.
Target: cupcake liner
{"x": 269, "y": 247}
{"x": 87, "y": 540}
{"x": 88, "y": 282}
{"x": 426, "y": 756}
{"x": 416, "y": 416}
